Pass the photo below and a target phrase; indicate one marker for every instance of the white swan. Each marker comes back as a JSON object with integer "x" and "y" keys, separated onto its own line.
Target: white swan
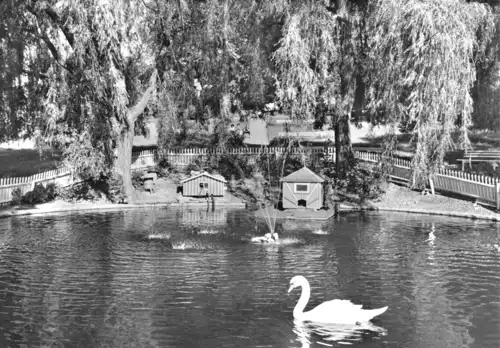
{"x": 334, "y": 311}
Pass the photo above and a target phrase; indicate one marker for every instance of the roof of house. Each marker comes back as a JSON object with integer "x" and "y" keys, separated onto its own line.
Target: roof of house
{"x": 213, "y": 176}
{"x": 303, "y": 175}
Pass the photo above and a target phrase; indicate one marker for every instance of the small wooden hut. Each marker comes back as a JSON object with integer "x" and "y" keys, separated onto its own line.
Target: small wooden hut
{"x": 203, "y": 185}
{"x": 302, "y": 188}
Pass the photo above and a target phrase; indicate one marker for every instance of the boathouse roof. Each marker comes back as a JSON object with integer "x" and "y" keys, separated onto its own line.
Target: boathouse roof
{"x": 303, "y": 175}
{"x": 216, "y": 177}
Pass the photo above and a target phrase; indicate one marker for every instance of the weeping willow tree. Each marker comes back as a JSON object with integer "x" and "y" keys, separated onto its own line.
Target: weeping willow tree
{"x": 86, "y": 75}
{"x": 422, "y": 67}
{"x": 318, "y": 61}
{"x": 215, "y": 64}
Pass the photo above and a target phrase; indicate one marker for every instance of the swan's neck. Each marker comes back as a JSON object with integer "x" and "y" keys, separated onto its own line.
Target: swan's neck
{"x": 304, "y": 298}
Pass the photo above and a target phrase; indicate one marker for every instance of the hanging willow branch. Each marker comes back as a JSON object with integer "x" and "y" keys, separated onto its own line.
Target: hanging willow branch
{"x": 422, "y": 68}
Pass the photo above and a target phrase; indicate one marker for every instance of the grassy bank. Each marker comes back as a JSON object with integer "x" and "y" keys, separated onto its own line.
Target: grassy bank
{"x": 25, "y": 162}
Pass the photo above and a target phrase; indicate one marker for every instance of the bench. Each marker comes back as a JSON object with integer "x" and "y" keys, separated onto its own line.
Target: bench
{"x": 479, "y": 156}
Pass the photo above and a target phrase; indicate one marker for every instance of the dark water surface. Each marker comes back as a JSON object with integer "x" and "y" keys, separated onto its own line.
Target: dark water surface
{"x": 94, "y": 280}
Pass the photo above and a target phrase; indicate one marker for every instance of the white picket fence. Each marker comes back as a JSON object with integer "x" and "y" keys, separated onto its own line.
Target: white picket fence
{"x": 446, "y": 180}
{"x": 454, "y": 181}
{"x": 61, "y": 177}
{"x": 183, "y": 157}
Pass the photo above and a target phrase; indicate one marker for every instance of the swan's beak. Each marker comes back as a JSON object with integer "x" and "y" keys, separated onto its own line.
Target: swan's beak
{"x": 291, "y": 288}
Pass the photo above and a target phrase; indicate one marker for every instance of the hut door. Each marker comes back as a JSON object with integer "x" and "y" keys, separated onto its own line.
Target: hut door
{"x": 302, "y": 203}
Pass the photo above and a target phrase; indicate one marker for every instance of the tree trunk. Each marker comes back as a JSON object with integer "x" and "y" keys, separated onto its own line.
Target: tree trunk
{"x": 124, "y": 144}
{"x": 123, "y": 163}
{"x": 343, "y": 147}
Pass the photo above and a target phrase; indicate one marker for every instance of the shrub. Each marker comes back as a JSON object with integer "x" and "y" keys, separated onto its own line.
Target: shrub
{"x": 233, "y": 166}
{"x": 272, "y": 165}
{"x": 114, "y": 189}
{"x": 137, "y": 180}
{"x": 194, "y": 166}
{"x": 364, "y": 183}
{"x": 81, "y": 191}
{"x": 40, "y": 194}
{"x": 17, "y": 196}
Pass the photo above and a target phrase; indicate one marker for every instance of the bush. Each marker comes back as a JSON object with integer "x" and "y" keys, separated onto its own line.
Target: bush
{"x": 95, "y": 190}
{"x": 364, "y": 183}
{"x": 81, "y": 191}
{"x": 113, "y": 188}
{"x": 40, "y": 194}
{"x": 17, "y": 196}
{"x": 233, "y": 165}
{"x": 271, "y": 165}
{"x": 137, "y": 180}
{"x": 194, "y": 166}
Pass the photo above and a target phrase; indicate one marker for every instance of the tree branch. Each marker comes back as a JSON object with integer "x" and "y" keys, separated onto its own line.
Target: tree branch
{"x": 137, "y": 109}
{"x": 149, "y": 8}
{"x": 52, "y": 47}
{"x": 70, "y": 37}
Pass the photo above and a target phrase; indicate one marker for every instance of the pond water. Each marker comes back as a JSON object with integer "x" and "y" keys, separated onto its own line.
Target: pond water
{"x": 94, "y": 280}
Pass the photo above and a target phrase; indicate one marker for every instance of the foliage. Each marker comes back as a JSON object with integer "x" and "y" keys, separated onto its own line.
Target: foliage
{"x": 84, "y": 67}
{"x": 487, "y": 169}
{"x": 104, "y": 188}
{"x": 113, "y": 188}
{"x": 82, "y": 75}
{"x": 17, "y": 196}
{"x": 137, "y": 181}
{"x": 230, "y": 166}
{"x": 164, "y": 168}
{"x": 234, "y": 165}
{"x": 84, "y": 191}
{"x": 421, "y": 69}
{"x": 362, "y": 183}
{"x": 219, "y": 65}
{"x": 319, "y": 61}
{"x": 40, "y": 194}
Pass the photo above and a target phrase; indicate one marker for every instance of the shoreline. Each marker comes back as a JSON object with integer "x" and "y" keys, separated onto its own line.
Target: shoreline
{"x": 395, "y": 199}
{"x": 345, "y": 208}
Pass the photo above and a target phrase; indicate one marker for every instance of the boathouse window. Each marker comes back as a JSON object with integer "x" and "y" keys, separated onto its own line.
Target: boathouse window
{"x": 203, "y": 185}
{"x": 301, "y": 188}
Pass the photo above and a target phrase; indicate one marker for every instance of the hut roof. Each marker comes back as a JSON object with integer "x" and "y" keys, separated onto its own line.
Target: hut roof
{"x": 213, "y": 176}
{"x": 303, "y": 175}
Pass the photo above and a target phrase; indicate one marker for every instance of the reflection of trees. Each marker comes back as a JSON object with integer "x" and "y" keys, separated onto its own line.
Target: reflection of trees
{"x": 66, "y": 285}
{"x": 423, "y": 273}
{"x": 203, "y": 217}
{"x": 434, "y": 323}
{"x": 78, "y": 293}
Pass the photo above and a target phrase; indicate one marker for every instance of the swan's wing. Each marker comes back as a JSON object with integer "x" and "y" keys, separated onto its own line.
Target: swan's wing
{"x": 343, "y": 305}
{"x": 334, "y": 306}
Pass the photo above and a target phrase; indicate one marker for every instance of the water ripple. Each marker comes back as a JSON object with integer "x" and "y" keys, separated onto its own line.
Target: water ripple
{"x": 93, "y": 280}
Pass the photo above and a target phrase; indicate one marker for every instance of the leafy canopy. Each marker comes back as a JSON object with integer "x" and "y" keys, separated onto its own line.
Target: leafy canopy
{"x": 422, "y": 66}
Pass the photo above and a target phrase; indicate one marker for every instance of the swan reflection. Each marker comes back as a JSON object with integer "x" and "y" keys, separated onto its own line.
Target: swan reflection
{"x": 308, "y": 332}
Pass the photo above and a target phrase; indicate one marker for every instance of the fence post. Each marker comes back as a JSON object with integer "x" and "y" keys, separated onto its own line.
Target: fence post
{"x": 497, "y": 194}
{"x": 431, "y": 184}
